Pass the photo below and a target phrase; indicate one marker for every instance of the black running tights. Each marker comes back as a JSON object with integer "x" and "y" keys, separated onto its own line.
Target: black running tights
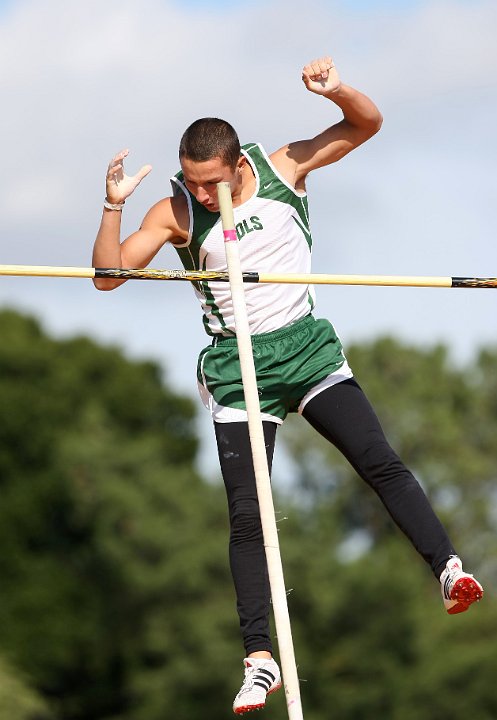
{"x": 342, "y": 415}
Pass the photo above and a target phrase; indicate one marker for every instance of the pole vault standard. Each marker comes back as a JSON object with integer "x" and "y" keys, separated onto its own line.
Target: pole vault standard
{"x": 263, "y": 482}
{"x": 248, "y": 277}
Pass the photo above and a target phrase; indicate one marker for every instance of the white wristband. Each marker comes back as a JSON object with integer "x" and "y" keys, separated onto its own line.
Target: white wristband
{"x": 113, "y": 206}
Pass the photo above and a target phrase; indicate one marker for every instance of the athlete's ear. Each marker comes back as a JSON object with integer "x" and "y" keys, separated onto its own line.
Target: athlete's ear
{"x": 242, "y": 161}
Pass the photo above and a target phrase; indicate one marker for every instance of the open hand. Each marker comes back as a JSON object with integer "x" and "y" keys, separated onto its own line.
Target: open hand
{"x": 320, "y": 76}
{"x": 119, "y": 185}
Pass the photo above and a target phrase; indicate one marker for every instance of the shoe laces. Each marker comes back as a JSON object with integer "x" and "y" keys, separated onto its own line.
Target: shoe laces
{"x": 252, "y": 671}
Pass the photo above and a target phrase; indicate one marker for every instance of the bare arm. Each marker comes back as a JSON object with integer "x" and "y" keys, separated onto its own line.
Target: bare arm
{"x": 165, "y": 221}
{"x": 361, "y": 120}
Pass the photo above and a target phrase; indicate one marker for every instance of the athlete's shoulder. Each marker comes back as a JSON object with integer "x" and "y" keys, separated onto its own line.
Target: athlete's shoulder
{"x": 277, "y": 167}
{"x": 284, "y": 162}
{"x": 178, "y": 184}
{"x": 170, "y": 214}
{"x": 265, "y": 171}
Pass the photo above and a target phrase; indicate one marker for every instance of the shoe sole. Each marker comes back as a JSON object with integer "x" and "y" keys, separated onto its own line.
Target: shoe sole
{"x": 248, "y": 708}
{"x": 465, "y": 592}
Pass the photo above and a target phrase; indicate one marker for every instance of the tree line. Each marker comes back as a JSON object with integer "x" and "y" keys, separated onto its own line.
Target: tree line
{"x": 115, "y": 595}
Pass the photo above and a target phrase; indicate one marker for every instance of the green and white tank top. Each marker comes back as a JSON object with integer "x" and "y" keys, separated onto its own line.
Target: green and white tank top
{"x": 274, "y": 237}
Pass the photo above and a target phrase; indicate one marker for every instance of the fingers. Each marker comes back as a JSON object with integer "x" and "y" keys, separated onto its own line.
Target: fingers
{"x": 120, "y": 156}
{"x": 143, "y": 172}
{"x": 115, "y": 171}
{"x": 119, "y": 186}
{"x": 317, "y": 70}
{"x": 118, "y": 159}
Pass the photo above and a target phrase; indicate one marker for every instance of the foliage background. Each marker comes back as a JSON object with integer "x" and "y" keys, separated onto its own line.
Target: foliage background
{"x": 116, "y": 600}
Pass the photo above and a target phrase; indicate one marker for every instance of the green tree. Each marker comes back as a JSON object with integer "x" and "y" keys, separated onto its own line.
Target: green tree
{"x": 113, "y": 559}
{"x": 369, "y": 607}
{"x": 116, "y": 601}
{"x": 18, "y": 701}
{"x": 441, "y": 420}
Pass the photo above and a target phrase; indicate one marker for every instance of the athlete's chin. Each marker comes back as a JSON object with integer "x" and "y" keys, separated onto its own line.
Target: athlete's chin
{"x": 211, "y": 207}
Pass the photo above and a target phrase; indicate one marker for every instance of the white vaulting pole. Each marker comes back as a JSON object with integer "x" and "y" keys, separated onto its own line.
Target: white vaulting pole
{"x": 256, "y": 433}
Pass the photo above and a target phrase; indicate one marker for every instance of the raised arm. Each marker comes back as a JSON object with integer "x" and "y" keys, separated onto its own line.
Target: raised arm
{"x": 361, "y": 120}
{"x": 165, "y": 221}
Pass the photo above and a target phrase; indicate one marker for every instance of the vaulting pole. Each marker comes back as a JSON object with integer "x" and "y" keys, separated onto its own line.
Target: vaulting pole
{"x": 249, "y": 277}
{"x": 263, "y": 482}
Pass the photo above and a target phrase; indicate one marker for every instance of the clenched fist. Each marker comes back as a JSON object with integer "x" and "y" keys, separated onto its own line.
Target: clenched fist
{"x": 321, "y": 77}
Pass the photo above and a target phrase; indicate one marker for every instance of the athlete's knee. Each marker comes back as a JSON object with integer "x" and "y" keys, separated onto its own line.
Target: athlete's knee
{"x": 245, "y": 521}
{"x": 379, "y": 464}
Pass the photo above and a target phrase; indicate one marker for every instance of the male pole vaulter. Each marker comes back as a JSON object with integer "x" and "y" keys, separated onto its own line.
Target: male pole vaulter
{"x": 300, "y": 363}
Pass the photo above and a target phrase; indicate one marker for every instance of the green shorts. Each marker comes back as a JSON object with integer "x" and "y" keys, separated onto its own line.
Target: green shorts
{"x": 292, "y": 366}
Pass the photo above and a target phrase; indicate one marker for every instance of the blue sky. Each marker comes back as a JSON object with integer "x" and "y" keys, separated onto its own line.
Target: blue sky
{"x": 352, "y": 5}
{"x": 79, "y": 81}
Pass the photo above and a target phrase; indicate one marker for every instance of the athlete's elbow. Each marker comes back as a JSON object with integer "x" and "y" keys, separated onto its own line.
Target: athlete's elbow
{"x": 369, "y": 128}
{"x": 373, "y": 123}
{"x": 366, "y": 128}
{"x": 378, "y": 122}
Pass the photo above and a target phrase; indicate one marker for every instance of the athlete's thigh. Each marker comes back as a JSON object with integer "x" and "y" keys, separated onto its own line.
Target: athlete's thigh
{"x": 235, "y": 455}
{"x": 344, "y": 416}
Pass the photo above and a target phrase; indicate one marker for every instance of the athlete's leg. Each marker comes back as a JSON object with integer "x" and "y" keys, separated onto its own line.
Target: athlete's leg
{"x": 344, "y": 416}
{"x": 247, "y": 554}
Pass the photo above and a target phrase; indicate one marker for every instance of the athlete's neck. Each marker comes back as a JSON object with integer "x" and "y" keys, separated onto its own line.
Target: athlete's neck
{"x": 245, "y": 186}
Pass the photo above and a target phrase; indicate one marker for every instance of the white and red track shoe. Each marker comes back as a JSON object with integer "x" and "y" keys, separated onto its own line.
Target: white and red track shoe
{"x": 459, "y": 588}
{"x": 262, "y": 677}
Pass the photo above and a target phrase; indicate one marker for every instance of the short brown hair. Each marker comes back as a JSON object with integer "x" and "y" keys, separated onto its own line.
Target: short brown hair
{"x": 208, "y": 138}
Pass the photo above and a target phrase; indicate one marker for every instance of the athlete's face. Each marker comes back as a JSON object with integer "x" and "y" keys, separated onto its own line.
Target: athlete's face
{"x": 201, "y": 179}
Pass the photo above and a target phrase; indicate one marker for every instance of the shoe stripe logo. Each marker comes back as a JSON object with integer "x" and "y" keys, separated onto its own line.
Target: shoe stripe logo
{"x": 264, "y": 685}
{"x": 264, "y": 679}
{"x": 447, "y": 588}
{"x": 266, "y": 672}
